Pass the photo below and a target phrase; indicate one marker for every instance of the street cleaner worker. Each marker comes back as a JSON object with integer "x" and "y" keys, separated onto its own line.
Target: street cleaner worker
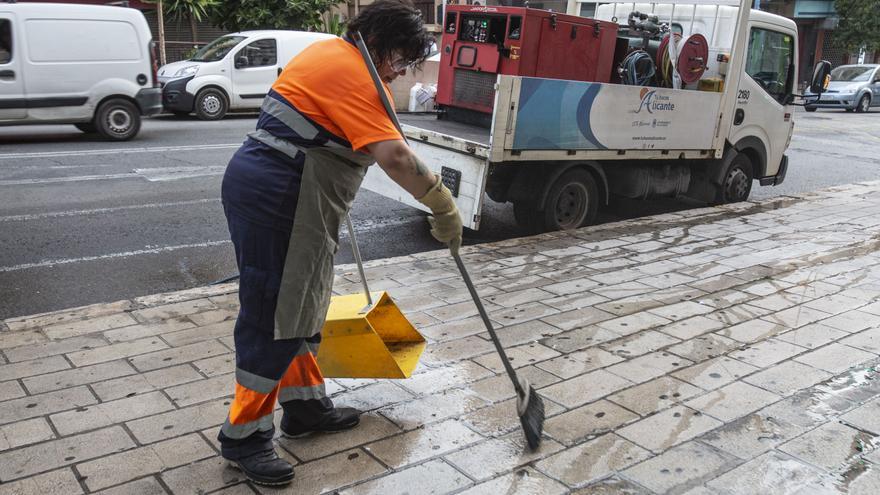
{"x": 284, "y": 194}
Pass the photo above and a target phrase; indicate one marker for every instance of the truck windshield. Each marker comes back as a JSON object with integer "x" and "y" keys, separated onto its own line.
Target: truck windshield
{"x": 217, "y": 49}
{"x": 851, "y": 73}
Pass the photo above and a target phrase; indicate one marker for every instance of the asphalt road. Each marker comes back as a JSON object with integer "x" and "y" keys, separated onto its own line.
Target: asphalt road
{"x": 84, "y": 221}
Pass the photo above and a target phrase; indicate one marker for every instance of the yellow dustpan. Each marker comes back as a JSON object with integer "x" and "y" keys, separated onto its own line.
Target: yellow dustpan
{"x": 367, "y": 341}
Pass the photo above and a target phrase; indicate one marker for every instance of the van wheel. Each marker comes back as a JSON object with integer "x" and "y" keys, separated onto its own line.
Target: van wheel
{"x": 737, "y": 183}
{"x": 572, "y": 202}
{"x": 118, "y": 120}
{"x": 86, "y": 127}
{"x": 211, "y": 104}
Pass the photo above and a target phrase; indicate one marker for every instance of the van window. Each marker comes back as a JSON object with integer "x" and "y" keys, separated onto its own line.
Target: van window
{"x": 217, "y": 49}
{"x": 260, "y": 53}
{"x": 5, "y": 41}
{"x": 769, "y": 61}
{"x": 82, "y": 40}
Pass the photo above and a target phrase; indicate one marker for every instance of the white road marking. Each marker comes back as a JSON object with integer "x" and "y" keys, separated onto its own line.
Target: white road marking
{"x": 97, "y": 211}
{"x": 110, "y": 151}
{"x": 78, "y": 178}
{"x": 159, "y": 174}
{"x": 126, "y": 254}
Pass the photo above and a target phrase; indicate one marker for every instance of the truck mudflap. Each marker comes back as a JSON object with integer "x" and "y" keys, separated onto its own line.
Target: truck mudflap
{"x": 775, "y": 180}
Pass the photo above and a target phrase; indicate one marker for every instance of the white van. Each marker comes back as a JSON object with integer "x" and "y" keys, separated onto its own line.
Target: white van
{"x": 233, "y": 72}
{"x": 87, "y": 65}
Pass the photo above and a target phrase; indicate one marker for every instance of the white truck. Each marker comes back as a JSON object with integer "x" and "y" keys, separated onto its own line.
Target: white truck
{"x": 559, "y": 149}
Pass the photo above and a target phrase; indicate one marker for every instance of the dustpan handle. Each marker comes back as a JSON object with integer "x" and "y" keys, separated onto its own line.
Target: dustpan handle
{"x": 357, "y": 258}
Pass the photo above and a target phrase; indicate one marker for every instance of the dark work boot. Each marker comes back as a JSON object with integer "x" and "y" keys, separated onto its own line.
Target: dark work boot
{"x": 265, "y": 468}
{"x": 302, "y": 417}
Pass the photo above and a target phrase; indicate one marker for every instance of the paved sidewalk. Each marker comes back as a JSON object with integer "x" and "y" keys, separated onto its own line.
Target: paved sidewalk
{"x": 718, "y": 350}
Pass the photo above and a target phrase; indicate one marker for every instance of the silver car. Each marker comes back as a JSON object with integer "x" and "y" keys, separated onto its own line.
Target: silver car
{"x": 852, "y": 87}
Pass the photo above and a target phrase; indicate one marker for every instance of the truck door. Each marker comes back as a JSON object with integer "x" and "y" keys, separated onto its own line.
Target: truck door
{"x": 761, "y": 111}
{"x": 12, "y": 97}
{"x": 256, "y": 68}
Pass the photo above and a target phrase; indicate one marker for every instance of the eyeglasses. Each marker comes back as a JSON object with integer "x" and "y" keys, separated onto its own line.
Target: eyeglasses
{"x": 400, "y": 64}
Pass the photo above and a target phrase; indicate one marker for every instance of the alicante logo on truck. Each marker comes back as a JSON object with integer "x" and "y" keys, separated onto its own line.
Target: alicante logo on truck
{"x": 652, "y": 102}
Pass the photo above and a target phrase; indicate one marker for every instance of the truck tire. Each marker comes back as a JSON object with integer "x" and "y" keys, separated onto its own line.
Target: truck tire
{"x": 737, "y": 182}
{"x": 118, "y": 120}
{"x": 571, "y": 202}
{"x": 864, "y": 104}
{"x": 86, "y": 127}
{"x": 211, "y": 104}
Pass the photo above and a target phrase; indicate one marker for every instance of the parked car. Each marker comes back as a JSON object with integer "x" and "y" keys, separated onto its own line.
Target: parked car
{"x": 233, "y": 72}
{"x": 87, "y": 65}
{"x": 852, "y": 87}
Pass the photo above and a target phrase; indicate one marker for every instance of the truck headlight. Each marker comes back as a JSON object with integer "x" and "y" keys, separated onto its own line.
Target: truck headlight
{"x": 189, "y": 70}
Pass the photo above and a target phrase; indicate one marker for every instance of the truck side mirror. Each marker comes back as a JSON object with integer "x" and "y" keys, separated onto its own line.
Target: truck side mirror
{"x": 241, "y": 61}
{"x": 821, "y": 77}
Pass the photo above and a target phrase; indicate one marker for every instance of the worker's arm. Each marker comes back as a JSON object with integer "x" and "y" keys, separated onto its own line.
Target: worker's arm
{"x": 407, "y": 170}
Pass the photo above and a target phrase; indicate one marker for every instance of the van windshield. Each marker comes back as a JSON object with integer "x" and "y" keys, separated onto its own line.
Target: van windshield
{"x": 217, "y": 49}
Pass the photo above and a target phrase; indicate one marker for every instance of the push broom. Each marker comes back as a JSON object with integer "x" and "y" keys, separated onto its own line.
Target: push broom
{"x": 529, "y": 405}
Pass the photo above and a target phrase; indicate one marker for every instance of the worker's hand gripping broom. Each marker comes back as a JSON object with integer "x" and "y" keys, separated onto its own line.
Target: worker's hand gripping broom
{"x": 529, "y": 405}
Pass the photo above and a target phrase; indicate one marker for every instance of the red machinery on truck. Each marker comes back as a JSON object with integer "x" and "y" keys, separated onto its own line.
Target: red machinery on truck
{"x": 478, "y": 43}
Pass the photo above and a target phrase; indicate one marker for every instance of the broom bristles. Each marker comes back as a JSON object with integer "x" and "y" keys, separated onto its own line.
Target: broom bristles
{"x": 531, "y": 416}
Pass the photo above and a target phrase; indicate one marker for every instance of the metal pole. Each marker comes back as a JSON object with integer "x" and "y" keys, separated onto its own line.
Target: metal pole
{"x": 357, "y": 258}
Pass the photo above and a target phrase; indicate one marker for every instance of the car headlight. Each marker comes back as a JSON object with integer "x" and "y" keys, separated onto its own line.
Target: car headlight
{"x": 189, "y": 70}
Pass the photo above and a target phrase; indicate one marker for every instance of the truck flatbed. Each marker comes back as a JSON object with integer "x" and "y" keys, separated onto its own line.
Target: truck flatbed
{"x": 430, "y": 122}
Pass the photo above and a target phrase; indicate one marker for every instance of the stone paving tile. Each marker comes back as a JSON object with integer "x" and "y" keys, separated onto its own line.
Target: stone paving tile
{"x": 35, "y": 367}
{"x": 612, "y": 485}
{"x": 828, "y": 446}
{"x": 501, "y": 418}
{"x": 204, "y": 476}
{"x": 123, "y": 467}
{"x": 812, "y": 336}
{"x": 116, "y": 351}
{"x": 865, "y": 417}
{"x": 739, "y": 313}
{"x": 522, "y": 313}
{"x": 586, "y": 422}
{"x": 434, "y": 477}
{"x": 371, "y": 429}
{"x": 648, "y": 366}
{"x": 523, "y": 481}
{"x": 179, "y": 422}
{"x": 227, "y": 313}
{"x": 787, "y": 378}
{"x": 373, "y": 396}
{"x": 519, "y": 356}
{"x": 454, "y": 329}
{"x": 199, "y": 334}
{"x": 691, "y": 327}
{"x": 20, "y": 338}
{"x": 768, "y": 352}
{"x": 530, "y": 331}
{"x": 10, "y": 390}
{"x": 779, "y": 301}
{"x": 499, "y": 387}
{"x": 592, "y": 460}
{"x": 173, "y": 310}
{"x": 575, "y": 301}
{"x": 724, "y": 299}
{"x": 577, "y": 318}
{"x": 53, "y": 348}
{"x": 681, "y": 311}
{"x": 128, "y": 386}
{"x": 753, "y": 435}
{"x": 46, "y": 456}
{"x": 853, "y": 321}
{"x": 835, "y": 357}
{"x": 637, "y": 322}
{"x": 639, "y": 343}
{"x": 423, "y": 443}
{"x": 704, "y": 347}
{"x": 73, "y": 314}
{"x": 797, "y": 316}
{"x": 437, "y": 379}
{"x": 202, "y": 390}
{"x": 24, "y": 433}
{"x": 652, "y": 396}
{"x": 218, "y": 365}
{"x": 496, "y": 456}
{"x": 42, "y": 404}
{"x": 732, "y": 401}
{"x": 76, "y": 328}
{"x": 433, "y": 408}
{"x": 109, "y": 413}
{"x": 579, "y": 362}
{"x": 667, "y": 428}
{"x": 516, "y": 298}
{"x": 835, "y": 304}
{"x": 752, "y": 331}
{"x": 456, "y": 350}
{"x": 77, "y": 376}
{"x": 145, "y": 486}
{"x": 329, "y": 474}
{"x": 60, "y": 481}
{"x": 135, "y": 332}
{"x": 579, "y": 338}
{"x": 630, "y": 305}
{"x": 177, "y": 355}
{"x": 584, "y": 388}
{"x": 680, "y": 467}
{"x": 772, "y": 472}
{"x": 459, "y": 311}
{"x": 866, "y": 340}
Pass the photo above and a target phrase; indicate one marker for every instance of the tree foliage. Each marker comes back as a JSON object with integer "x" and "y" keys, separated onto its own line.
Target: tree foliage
{"x": 187, "y": 9}
{"x": 240, "y": 15}
{"x": 859, "y": 24}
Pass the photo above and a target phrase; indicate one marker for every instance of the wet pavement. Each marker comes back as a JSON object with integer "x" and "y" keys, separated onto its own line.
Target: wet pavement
{"x": 725, "y": 350}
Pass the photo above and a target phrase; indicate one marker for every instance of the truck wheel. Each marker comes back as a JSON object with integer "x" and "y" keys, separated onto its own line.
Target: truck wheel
{"x": 86, "y": 127}
{"x": 118, "y": 120}
{"x": 737, "y": 183}
{"x": 211, "y": 104}
{"x": 810, "y": 109}
{"x": 864, "y": 104}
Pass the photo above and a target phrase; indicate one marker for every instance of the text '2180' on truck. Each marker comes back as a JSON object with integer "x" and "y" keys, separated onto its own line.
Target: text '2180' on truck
{"x": 555, "y": 113}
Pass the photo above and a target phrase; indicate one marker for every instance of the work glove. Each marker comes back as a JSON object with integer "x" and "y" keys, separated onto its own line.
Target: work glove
{"x": 445, "y": 220}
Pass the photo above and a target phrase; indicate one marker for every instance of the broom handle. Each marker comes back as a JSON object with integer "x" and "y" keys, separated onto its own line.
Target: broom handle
{"x": 470, "y": 285}
{"x": 365, "y": 53}
{"x": 357, "y": 258}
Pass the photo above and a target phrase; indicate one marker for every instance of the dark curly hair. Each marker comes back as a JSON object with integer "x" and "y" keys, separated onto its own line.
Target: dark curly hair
{"x": 393, "y": 27}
